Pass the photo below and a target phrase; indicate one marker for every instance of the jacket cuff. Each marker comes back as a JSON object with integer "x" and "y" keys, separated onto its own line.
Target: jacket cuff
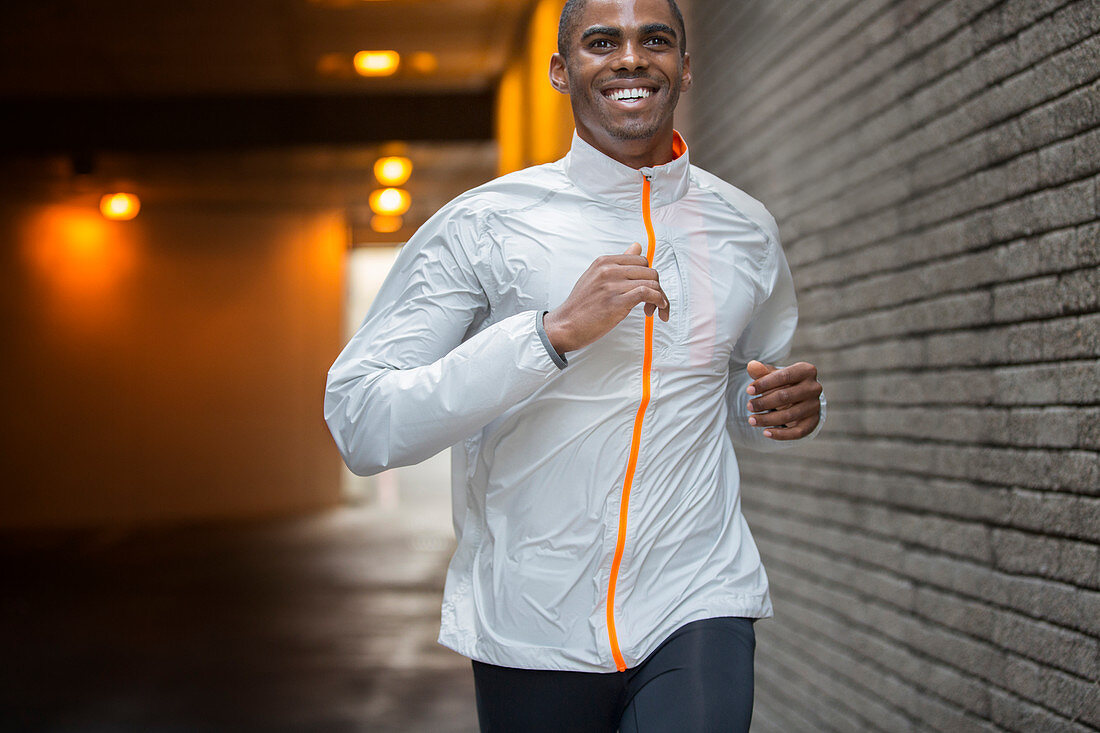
{"x": 559, "y": 359}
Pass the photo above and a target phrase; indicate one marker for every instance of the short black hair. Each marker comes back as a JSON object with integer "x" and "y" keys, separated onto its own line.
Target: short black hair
{"x": 571, "y": 18}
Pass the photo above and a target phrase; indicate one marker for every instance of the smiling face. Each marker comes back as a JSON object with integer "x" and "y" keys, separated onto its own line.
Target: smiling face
{"x": 624, "y": 72}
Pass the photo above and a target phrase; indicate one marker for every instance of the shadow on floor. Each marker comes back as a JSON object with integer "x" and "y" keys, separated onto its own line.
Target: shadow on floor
{"x": 323, "y": 624}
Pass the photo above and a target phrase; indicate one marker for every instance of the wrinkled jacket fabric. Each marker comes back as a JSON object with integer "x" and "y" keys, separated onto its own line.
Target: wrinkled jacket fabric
{"x": 452, "y": 353}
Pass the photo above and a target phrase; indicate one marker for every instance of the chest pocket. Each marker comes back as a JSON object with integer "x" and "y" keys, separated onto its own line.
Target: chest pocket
{"x": 670, "y": 339}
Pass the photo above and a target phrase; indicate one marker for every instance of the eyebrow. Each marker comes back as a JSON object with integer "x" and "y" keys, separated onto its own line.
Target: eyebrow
{"x": 648, "y": 29}
{"x": 658, "y": 28}
{"x": 601, "y": 30}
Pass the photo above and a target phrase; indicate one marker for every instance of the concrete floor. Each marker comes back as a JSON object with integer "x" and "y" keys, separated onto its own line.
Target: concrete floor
{"x": 323, "y": 624}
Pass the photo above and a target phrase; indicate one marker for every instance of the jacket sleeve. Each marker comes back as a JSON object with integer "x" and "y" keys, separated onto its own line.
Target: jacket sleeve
{"x": 767, "y": 338}
{"x": 413, "y": 381}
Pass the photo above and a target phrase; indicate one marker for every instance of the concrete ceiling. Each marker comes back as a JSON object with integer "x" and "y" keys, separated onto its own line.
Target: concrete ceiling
{"x": 126, "y": 48}
{"x": 199, "y": 101}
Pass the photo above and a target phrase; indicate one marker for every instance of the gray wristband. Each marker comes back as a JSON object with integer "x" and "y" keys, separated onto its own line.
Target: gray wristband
{"x": 559, "y": 359}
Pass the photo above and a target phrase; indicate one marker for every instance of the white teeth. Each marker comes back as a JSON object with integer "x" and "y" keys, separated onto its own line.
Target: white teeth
{"x": 629, "y": 94}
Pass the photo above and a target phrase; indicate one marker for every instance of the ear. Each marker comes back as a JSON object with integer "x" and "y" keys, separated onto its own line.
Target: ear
{"x": 559, "y": 77}
{"x": 685, "y": 78}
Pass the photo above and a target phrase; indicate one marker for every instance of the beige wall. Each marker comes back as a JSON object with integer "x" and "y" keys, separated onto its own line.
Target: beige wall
{"x": 167, "y": 368}
{"x": 534, "y": 123}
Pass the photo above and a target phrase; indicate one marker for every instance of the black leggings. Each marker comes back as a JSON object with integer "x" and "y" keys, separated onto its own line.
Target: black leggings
{"x": 698, "y": 679}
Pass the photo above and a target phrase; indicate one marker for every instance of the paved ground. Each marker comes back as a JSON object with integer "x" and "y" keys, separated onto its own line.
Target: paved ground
{"x": 323, "y": 624}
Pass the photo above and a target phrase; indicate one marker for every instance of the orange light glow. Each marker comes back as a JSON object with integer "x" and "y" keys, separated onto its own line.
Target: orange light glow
{"x": 386, "y": 224}
{"x": 390, "y": 201}
{"x": 423, "y": 62}
{"x": 393, "y": 170}
{"x": 119, "y": 206}
{"x": 377, "y": 63}
{"x": 81, "y": 255}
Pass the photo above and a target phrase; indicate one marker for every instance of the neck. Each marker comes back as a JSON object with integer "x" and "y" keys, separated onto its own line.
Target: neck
{"x": 641, "y": 153}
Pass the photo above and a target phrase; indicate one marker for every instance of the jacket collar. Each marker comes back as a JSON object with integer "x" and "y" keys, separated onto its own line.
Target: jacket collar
{"x": 607, "y": 179}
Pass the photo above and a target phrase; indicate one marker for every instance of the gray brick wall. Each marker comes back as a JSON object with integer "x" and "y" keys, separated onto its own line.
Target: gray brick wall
{"x": 934, "y": 166}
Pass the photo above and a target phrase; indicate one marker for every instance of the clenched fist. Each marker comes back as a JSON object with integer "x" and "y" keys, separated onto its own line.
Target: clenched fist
{"x": 602, "y": 297}
{"x": 785, "y": 401}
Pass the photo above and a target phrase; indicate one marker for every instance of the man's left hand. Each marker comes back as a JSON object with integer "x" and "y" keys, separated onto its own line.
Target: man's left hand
{"x": 785, "y": 401}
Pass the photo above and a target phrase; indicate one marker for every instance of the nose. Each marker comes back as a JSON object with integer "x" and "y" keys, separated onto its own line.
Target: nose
{"x": 631, "y": 57}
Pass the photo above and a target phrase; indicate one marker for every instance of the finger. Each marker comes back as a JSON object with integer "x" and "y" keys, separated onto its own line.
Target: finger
{"x": 624, "y": 260}
{"x": 646, "y": 292}
{"x": 799, "y": 429}
{"x": 792, "y": 374}
{"x": 649, "y": 309}
{"x": 757, "y": 370}
{"x": 785, "y": 416}
{"x": 636, "y": 272}
{"x": 634, "y": 249}
{"x": 783, "y": 396}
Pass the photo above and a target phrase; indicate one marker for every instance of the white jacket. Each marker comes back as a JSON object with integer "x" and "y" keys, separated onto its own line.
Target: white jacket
{"x": 596, "y": 502}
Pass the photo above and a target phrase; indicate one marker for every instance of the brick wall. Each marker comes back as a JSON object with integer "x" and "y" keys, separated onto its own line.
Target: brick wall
{"x": 933, "y": 165}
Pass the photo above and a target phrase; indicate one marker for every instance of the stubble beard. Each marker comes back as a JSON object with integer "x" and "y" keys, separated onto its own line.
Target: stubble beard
{"x": 639, "y": 128}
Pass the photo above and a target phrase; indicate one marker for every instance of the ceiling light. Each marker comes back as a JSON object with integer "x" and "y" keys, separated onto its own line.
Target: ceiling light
{"x": 376, "y": 63}
{"x": 393, "y": 170}
{"x": 119, "y": 206}
{"x": 390, "y": 201}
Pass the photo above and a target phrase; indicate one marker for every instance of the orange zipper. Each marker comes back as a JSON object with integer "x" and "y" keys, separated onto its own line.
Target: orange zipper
{"x": 635, "y": 444}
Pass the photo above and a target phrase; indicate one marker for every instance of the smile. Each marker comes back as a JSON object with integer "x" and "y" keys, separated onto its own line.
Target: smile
{"x": 628, "y": 94}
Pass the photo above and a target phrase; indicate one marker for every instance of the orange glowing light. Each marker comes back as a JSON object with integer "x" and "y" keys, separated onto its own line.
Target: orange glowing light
{"x": 386, "y": 224}
{"x": 423, "y": 62}
{"x": 376, "y": 63}
{"x": 393, "y": 170}
{"x": 390, "y": 201}
{"x": 119, "y": 206}
{"x": 80, "y": 254}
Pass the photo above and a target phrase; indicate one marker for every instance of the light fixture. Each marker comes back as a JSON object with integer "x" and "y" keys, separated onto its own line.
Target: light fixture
{"x": 393, "y": 170}
{"x": 119, "y": 206}
{"x": 390, "y": 201}
{"x": 424, "y": 62}
{"x": 386, "y": 224}
{"x": 376, "y": 63}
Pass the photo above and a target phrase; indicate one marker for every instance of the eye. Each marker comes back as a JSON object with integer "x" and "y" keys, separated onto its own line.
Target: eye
{"x": 600, "y": 43}
{"x": 659, "y": 40}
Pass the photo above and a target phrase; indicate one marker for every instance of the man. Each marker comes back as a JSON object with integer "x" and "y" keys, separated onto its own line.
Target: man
{"x": 604, "y": 577}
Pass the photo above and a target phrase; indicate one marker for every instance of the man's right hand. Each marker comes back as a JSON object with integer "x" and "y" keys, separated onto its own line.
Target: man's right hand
{"x": 604, "y": 294}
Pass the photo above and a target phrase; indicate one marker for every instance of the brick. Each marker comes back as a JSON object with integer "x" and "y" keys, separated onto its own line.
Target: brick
{"x": 1013, "y": 714}
{"x": 1073, "y": 471}
{"x": 1047, "y": 643}
{"x": 774, "y": 709}
{"x": 1072, "y": 292}
{"x": 1048, "y": 557}
{"x": 1058, "y": 603}
{"x": 1004, "y": 671}
{"x": 1071, "y": 651}
{"x": 1054, "y": 252}
{"x": 891, "y": 672}
{"x": 981, "y": 113}
{"x": 1053, "y": 427}
{"x": 1069, "y": 159}
{"x": 1068, "y": 515}
{"x": 949, "y": 498}
{"x": 932, "y": 167}
{"x": 813, "y": 675}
